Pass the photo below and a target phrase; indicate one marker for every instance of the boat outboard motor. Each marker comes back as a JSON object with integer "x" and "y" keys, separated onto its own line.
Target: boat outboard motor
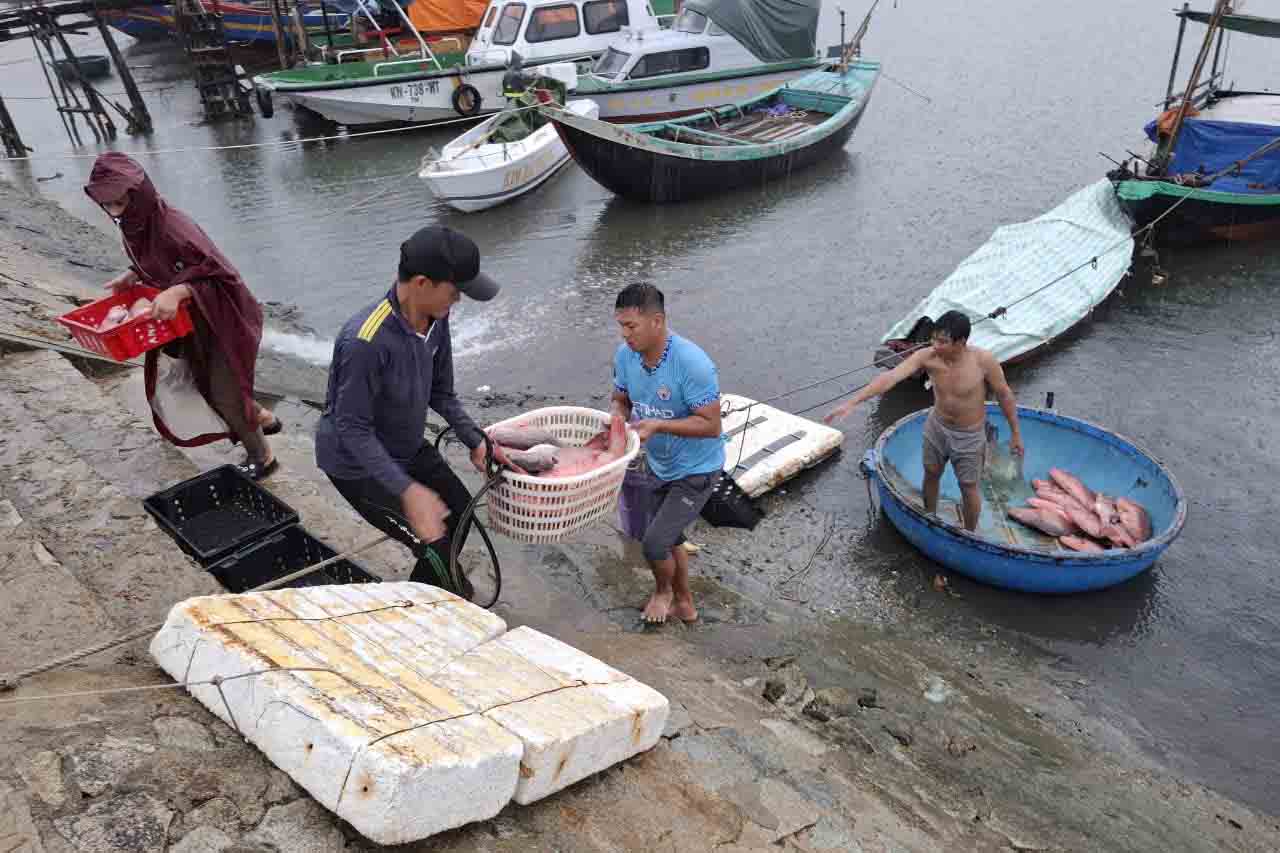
{"x": 514, "y": 81}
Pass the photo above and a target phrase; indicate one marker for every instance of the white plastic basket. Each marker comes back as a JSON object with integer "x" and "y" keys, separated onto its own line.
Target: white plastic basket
{"x": 541, "y": 510}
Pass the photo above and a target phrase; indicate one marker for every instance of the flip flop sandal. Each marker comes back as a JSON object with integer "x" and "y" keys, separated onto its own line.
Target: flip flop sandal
{"x": 258, "y": 471}
{"x": 274, "y": 428}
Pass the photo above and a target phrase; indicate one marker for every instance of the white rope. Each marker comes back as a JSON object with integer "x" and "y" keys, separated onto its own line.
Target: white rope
{"x": 267, "y": 144}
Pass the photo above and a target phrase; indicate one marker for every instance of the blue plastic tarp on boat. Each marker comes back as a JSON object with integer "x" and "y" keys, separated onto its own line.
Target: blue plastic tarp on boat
{"x": 1211, "y": 146}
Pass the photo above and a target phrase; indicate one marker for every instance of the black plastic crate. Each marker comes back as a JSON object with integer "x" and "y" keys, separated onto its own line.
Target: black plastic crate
{"x": 218, "y": 513}
{"x": 283, "y": 553}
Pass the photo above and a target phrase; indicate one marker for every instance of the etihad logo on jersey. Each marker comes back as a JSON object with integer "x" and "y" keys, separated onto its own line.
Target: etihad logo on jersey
{"x": 647, "y": 411}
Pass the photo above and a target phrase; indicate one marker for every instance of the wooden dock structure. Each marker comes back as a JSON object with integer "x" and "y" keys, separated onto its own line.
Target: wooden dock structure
{"x": 75, "y": 97}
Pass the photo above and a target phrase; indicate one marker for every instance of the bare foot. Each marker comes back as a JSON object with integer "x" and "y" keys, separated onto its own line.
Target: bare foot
{"x": 655, "y": 611}
{"x": 683, "y": 609}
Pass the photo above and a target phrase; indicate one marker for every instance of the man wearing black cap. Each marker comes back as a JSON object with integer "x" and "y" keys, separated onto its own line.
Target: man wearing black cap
{"x": 392, "y": 361}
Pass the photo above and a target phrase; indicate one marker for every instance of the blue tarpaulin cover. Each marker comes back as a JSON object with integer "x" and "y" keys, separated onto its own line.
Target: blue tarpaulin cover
{"x": 1211, "y": 146}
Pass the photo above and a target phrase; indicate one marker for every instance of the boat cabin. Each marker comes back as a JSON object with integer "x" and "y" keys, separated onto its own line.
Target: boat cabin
{"x": 546, "y": 30}
{"x": 692, "y": 44}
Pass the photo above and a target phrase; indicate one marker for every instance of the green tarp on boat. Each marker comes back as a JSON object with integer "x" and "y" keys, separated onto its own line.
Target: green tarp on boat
{"x": 1026, "y": 256}
{"x": 773, "y": 30}
{"x": 1265, "y": 27}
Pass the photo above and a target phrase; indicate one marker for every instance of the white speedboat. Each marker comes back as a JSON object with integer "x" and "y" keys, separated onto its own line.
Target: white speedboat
{"x": 442, "y": 80}
{"x": 697, "y": 64}
{"x": 506, "y": 155}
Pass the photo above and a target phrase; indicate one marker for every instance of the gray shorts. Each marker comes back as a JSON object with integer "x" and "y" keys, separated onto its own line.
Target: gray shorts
{"x": 657, "y": 511}
{"x": 967, "y": 449}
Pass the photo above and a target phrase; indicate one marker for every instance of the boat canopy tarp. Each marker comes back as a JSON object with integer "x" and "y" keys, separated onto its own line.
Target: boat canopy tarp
{"x": 1266, "y": 27}
{"x": 1026, "y": 256}
{"x": 773, "y": 30}
{"x": 1210, "y": 146}
{"x": 450, "y": 16}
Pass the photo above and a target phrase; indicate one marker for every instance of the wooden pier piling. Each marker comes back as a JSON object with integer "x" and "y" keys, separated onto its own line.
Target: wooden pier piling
{"x": 13, "y": 146}
{"x": 138, "y": 116}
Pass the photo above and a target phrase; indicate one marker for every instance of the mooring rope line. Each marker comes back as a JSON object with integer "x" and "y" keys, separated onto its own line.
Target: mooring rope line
{"x": 10, "y": 681}
{"x": 272, "y": 143}
{"x": 101, "y": 94}
{"x": 169, "y": 685}
{"x": 998, "y": 312}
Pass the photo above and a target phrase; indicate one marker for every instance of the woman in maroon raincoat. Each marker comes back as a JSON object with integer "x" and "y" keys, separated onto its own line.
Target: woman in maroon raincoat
{"x": 171, "y": 252}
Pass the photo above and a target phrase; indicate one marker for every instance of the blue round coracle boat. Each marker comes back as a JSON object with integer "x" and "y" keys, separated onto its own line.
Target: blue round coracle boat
{"x": 1002, "y": 552}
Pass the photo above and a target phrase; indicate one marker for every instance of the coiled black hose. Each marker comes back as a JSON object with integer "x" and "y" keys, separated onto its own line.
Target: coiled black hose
{"x": 493, "y": 476}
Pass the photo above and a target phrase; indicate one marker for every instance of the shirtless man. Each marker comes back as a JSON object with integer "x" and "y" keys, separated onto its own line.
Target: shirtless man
{"x": 956, "y": 427}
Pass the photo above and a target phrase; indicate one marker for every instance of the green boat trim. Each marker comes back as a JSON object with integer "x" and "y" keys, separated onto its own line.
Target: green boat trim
{"x": 347, "y": 75}
{"x": 1143, "y": 190}
{"x": 590, "y": 85}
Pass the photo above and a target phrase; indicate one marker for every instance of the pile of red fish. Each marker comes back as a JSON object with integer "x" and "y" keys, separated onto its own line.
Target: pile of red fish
{"x": 1081, "y": 519}
{"x": 537, "y": 451}
{"x": 120, "y": 315}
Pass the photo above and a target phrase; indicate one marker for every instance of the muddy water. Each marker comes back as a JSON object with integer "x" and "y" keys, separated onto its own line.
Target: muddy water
{"x": 799, "y": 281}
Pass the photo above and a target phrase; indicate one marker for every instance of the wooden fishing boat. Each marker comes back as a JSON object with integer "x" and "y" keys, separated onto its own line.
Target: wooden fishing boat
{"x": 743, "y": 144}
{"x": 1002, "y": 552}
{"x": 1021, "y": 268}
{"x": 1214, "y": 169}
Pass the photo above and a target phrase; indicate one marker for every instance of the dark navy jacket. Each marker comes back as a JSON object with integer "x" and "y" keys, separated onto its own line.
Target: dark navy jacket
{"x": 383, "y": 377}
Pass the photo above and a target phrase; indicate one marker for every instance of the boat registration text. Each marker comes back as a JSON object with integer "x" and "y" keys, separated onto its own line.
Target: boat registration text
{"x": 413, "y": 91}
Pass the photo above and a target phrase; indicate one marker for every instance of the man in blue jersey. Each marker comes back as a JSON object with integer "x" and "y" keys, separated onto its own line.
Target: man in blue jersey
{"x": 670, "y": 386}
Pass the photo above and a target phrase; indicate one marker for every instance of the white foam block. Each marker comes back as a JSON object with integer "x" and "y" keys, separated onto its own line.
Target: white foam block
{"x": 574, "y": 714}
{"x": 340, "y": 687}
{"x": 799, "y": 443}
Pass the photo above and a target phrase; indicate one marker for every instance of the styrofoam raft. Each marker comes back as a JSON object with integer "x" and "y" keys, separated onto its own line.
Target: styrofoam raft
{"x": 574, "y": 714}
{"x": 774, "y": 448}
{"x": 402, "y": 708}
{"x": 377, "y": 740}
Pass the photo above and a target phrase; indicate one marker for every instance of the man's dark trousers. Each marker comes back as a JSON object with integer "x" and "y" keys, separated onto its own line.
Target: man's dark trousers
{"x": 383, "y": 510}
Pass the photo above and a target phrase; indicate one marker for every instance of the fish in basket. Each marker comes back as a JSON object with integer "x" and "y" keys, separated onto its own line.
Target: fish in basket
{"x": 120, "y": 326}
{"x": 575, "y": 459}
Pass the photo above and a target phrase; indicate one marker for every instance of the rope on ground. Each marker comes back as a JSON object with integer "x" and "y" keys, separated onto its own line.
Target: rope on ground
{"x": 11, "y": 681}
{"x": 801, "y": 575}
{"x": 168, "y": 685}
{"x": 273, "y": 143}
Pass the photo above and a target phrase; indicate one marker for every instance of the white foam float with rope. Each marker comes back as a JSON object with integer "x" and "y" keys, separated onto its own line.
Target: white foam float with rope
{"x": 765, "y": 446}
{"x": 401, "y": 708}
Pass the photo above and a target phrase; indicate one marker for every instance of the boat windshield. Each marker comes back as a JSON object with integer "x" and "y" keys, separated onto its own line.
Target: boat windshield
{"x": 611, "y": 63}
{"x": 509, "y": 23}
{"x": 690, "y": 22}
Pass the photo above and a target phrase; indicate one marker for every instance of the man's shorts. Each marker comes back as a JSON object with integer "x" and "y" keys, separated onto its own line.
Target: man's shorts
{"x": 967, "y": 449}
{"x": 656, "y": 512}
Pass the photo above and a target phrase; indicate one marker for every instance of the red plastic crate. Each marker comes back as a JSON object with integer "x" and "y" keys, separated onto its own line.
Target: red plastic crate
{"x": 131, "y": 338}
